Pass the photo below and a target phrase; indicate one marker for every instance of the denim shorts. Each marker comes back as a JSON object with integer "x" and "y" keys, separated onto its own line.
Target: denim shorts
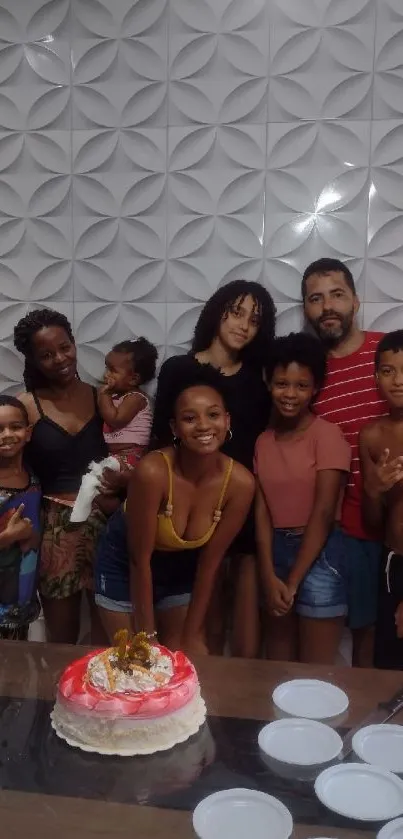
{"x": 323, "y": 591}
{"x": 173, "y": 572}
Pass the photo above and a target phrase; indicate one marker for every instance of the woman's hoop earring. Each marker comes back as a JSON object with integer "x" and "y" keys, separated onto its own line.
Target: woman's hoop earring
{"x": 229, "y": 436}
{"x": 175, "y": 441}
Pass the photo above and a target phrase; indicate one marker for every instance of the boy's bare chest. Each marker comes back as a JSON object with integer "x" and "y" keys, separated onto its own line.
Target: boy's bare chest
{"x": 389, "y": 438}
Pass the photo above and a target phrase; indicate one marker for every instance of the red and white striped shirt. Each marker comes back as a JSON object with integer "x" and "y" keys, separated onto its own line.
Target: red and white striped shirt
{"x": 350, "y": 398}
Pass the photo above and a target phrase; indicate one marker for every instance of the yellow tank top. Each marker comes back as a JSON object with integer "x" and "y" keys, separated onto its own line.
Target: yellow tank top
{"x": 166, "y": 537}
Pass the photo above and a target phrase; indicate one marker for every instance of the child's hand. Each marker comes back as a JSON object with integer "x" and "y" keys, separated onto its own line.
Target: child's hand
{"x": 107, "y": 388}
{"x": 108, "y": 504}
{"x": 385, "y": 474}
{"x": 399, "y": 620}
{"x": 112, "y": 482}
{"x": 280, "y": 598}
{"x": 19, "y": 529}
{"x": 108, "y": 385}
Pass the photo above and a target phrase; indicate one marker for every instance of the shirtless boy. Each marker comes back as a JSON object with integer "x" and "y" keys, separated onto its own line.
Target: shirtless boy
{"x": 381, "y": 452}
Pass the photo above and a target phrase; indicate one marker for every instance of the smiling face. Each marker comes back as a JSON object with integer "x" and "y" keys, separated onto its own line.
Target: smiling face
{"x": 390, "y": 377}
{"x": 14, "y": 431}
{"x": 292, "y": 389}
{"x": 330, "y": 306}
{"x": 54, "y": 355}
{"x": 201, "y": 420}
{"x": 240, "y": 324}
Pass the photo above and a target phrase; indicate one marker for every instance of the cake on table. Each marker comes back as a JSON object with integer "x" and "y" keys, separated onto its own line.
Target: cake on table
{"x": 136, "y": 698}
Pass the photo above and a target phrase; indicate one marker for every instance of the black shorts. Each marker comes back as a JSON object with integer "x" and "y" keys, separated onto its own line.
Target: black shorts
{"x": 245, "y": 541}
{"x": 388, "y": 647}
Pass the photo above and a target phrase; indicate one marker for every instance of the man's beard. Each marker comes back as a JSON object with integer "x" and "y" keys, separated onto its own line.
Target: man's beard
{"x": 334, "y": 335}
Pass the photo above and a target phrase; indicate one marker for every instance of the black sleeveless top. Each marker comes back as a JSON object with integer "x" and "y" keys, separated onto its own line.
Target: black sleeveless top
{"x": 248, "y": 403}
{"x": 60, "y": 459}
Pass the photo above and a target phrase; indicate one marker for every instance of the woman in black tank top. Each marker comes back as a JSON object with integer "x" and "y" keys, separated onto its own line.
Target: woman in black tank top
{"x": 66, "y": 437}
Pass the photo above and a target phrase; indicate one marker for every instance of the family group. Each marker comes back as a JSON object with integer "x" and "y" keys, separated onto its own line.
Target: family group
{"x": 256, "y": 507}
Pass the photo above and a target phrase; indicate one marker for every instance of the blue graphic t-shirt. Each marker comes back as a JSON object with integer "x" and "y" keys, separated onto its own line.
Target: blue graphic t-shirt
{"x": 19, "y": 603}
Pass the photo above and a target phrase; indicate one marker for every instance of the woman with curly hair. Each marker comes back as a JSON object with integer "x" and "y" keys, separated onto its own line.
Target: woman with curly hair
{"x": 234, "y": 333}
{"x": 66, "y": 437}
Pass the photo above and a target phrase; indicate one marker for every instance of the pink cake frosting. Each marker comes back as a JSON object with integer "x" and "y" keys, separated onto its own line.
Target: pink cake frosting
{"x": 75, "y": 691}
{"x": 131, "y": 699}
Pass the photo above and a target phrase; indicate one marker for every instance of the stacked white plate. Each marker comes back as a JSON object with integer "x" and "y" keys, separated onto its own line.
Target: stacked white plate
{"x": 392, "y": 830}
{"x": 380, "y": 745}
{"x": 300, "y": 742}
{"x": 310, "y": 698}
{"x": 362, "y": 792}
{"x": 239, "y": 813}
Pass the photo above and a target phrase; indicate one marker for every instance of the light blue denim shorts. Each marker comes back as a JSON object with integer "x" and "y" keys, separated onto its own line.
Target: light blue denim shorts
{"x": 323, "y": 591}
{"x": 125, "y": 606}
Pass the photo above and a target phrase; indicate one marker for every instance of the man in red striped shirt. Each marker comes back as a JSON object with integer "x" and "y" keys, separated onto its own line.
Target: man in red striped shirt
{"x": 349, "y": 398}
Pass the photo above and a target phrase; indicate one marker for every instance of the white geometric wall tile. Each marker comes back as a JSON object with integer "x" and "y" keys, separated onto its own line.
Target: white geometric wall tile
{"x": 385, "y": 229}
{"x": 48, "y": 150}
{"x": 11, "y": 312}
{"x": 153, "y": 150}
{"x": 383, "y": 317}
{"x": 66, "y": 308}
{"x": 35, "y": 216}
{"x": 215, "y": 207}
{"x": 181, "y": 321}
{"x": 34, "y": 65}
{"x": 388, "y": 80}
{"x": 218, "y": 61}
{"x": 123, "y": 40}
{"x": 289, "y": 318}
{"x": 283, "y": 279}
{"x": 321, "y": 59}
{"x": 11, "y": 368}
{"x": 316, "y": 196}
{"x": 119, "y": 214}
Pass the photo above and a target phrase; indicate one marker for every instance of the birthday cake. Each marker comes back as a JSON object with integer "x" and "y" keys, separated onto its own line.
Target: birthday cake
{"x": 131, "y": 699}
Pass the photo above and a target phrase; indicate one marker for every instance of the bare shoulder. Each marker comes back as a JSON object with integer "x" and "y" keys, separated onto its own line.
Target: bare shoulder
{"x": 137, "y": 399}
{"x": 151, "y": 468}
{"x": 28, "y": 401}
{"x": 26, "y": 398}
{"x": 374, "y": 432}
{"x": 242, "y": 480}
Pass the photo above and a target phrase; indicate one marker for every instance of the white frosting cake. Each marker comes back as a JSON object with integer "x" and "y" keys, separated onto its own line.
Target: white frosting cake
{"x": 139, "y": 699}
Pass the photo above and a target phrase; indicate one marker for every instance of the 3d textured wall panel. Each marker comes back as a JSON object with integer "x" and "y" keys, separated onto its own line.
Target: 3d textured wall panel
{"x": 153, "y": 150}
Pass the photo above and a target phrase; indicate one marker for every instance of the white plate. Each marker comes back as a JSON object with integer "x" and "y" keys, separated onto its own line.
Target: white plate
{"x": 392, "y": 830}
{"x": 240, "y": 813}
{"x": 302, "y": 742}
{"x": 381, "y": 745}
{"x": 310, "y": 698}
{"x": 359, "y": 791}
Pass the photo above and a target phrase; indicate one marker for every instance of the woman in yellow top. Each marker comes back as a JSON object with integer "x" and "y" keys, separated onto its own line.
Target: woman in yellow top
{"x": 157, "y": 561}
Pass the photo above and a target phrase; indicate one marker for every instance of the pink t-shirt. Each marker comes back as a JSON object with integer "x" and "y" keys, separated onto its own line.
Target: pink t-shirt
{"x": 286, "y": 469}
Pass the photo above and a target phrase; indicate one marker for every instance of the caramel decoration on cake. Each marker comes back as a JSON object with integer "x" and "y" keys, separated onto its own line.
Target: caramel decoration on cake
{"x": 133, "y": 651}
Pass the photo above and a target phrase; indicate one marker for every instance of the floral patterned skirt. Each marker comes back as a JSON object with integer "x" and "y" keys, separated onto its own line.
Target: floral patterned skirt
{"x": 67, "y": 551}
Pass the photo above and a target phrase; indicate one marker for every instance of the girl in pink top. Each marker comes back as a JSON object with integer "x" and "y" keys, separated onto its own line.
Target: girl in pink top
{"x": 125, "y": 409}
{"x": 301, "y": 464}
